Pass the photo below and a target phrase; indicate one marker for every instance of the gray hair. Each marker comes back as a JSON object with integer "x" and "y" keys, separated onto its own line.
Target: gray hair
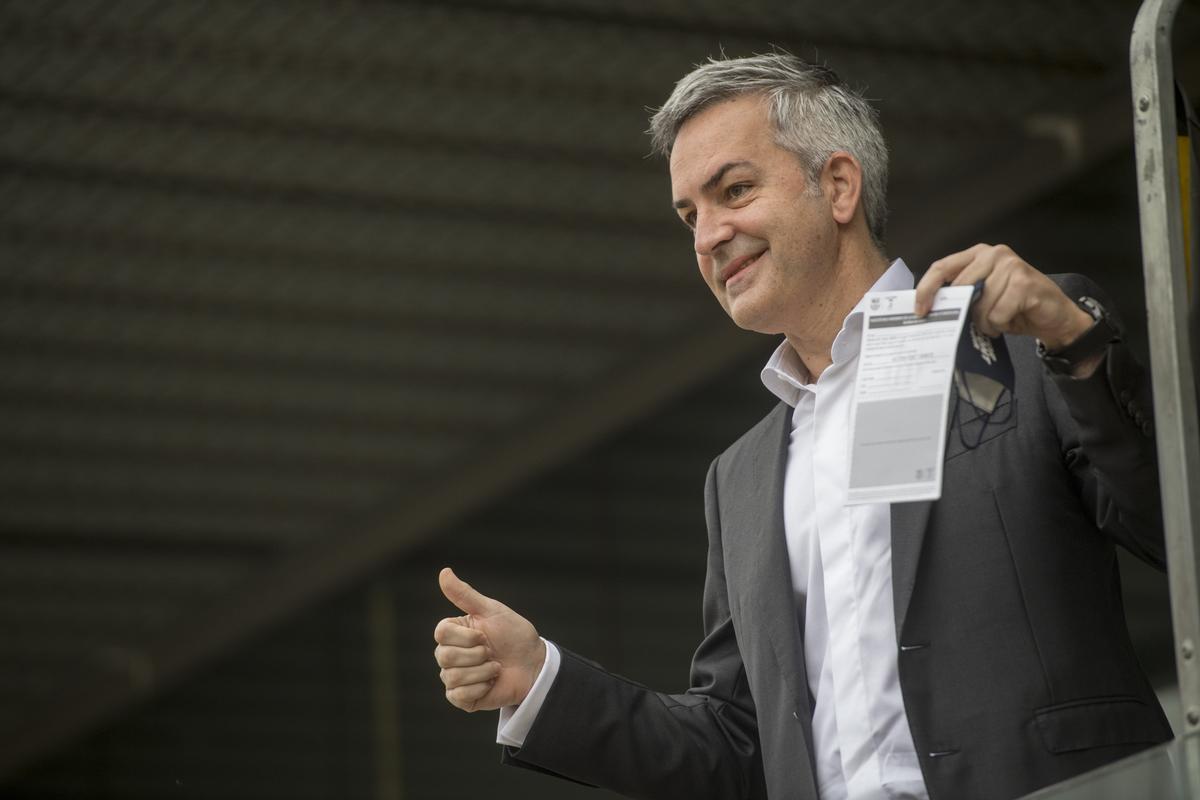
{"x": 813, "y": 111}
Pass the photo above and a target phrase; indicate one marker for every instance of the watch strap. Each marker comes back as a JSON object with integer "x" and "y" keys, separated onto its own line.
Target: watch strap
{"x": 1092, "y": 341}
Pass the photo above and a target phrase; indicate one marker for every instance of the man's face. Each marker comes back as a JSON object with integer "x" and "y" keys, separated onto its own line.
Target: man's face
{"x": 765, "y": 243}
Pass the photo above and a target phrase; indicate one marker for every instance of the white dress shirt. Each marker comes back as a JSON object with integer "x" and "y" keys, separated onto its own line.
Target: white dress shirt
{"x": 841, "y": 565}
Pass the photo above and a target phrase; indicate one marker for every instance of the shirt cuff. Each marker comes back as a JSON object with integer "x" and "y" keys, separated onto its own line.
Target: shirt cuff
{"x": 515, "y": 721}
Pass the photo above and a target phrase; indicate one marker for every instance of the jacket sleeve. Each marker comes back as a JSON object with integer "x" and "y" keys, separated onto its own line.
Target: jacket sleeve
{"x": 1106, "y": 426}
{"x": 601, "y": 729}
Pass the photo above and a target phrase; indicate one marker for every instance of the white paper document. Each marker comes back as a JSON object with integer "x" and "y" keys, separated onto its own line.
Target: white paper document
{"x": 902, "y": 394}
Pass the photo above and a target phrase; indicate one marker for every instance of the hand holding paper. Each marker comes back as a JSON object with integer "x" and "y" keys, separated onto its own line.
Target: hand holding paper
{"x": 1016, "y": 298}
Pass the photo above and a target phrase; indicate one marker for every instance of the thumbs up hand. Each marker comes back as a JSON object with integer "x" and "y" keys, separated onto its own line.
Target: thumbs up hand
{"x": 490, "y": 657}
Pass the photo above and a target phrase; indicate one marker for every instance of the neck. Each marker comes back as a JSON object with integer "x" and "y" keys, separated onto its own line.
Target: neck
{"x": 853, "y": 275}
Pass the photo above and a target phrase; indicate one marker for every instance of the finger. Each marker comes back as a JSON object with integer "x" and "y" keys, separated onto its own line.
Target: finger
{"x": 465, "y": 676}
{"x": 452, "y": 632}
{"x": 980, "y": 268}
{"x": 463, "y": 595}
{"x": 467, "y": 697}
{"x": 448, "y": 656}
{"x": 994, "y": 312}
{"x": 940, "y": 273}
{"x": 927, "y": 287}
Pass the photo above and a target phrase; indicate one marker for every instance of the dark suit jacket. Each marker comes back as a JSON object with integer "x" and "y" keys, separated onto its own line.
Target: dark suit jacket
{"x": 1016, "y": 667}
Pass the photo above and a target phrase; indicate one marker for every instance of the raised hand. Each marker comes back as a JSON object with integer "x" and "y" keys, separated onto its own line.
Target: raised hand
{"x": 490, "y": 657}
{"x": 1016, "y": 297}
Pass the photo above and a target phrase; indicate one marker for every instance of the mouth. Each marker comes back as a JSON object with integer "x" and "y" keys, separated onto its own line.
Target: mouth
{"x": 736, "y": 268}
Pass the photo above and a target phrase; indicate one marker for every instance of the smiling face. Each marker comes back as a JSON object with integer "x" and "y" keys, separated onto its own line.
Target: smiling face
{"x": 766, "y": 242}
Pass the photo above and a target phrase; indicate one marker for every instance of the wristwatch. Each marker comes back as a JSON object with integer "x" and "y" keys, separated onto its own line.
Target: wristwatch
{"x": 1095, "y": 339}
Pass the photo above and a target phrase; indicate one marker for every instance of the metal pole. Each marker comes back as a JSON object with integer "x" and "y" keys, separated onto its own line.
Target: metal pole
{"x": 1170, "y": 357}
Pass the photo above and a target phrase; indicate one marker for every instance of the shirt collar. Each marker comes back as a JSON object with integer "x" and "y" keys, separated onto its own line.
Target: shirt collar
{"x": 784, "y": 374}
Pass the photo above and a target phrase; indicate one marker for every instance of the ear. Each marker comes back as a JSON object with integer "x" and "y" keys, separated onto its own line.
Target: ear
{"x": 841, "y": 182}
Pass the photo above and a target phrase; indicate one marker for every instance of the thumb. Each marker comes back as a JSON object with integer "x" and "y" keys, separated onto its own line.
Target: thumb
{"x": 463, "y": 596}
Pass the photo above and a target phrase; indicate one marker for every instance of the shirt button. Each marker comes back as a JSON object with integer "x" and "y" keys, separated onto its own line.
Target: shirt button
{"x": 796, "y": 716}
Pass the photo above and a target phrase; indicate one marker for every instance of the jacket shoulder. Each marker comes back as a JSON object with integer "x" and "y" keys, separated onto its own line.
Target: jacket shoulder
{"x": 764, "y": 437}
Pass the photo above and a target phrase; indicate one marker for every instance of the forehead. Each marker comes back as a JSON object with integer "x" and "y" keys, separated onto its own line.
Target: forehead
{"x": 731, "y": 130}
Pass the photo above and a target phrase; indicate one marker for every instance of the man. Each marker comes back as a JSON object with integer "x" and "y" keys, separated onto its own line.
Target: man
{"x": 973, "y": 647}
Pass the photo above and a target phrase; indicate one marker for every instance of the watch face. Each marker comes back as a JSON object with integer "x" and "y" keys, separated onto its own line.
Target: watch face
{"x": 1092, "y": 306}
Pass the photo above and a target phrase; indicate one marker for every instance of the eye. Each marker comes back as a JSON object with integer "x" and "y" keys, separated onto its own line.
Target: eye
{"x": 689, "y": 220}
{"x": 737, "y": 191}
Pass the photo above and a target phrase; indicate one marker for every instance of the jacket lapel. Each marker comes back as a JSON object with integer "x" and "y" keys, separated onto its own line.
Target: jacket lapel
{"x": 909, "y": 521}
{"x": 763, "y": 492}
{"x": 772, "y": 593}
{"x": 756, "y": 497}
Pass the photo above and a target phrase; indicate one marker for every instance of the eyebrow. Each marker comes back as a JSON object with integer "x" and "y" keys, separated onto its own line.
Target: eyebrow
{"x": 713, "y": 180}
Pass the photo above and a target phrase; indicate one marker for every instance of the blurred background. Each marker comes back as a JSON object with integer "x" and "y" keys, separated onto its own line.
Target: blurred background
{"x": 301, "y": 301}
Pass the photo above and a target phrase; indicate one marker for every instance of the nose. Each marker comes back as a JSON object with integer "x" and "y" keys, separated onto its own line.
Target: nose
{"x": 712, "y": 230}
